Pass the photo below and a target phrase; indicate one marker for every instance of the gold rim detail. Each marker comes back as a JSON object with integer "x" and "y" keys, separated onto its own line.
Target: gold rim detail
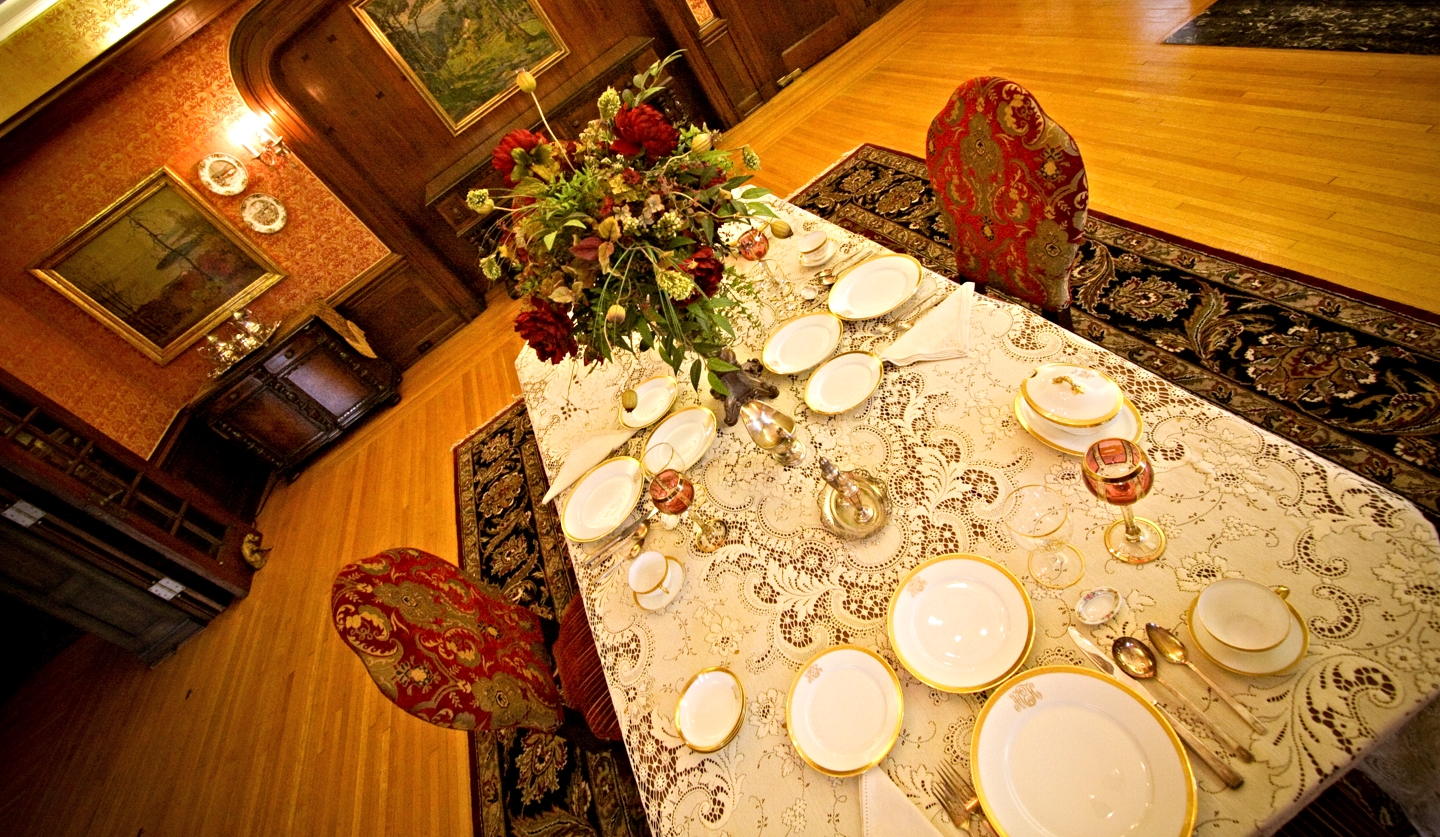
{"x": 636, "y": 596}
{"x": 1191, "y": 798}
{"x": 1304, "y": 645}
{"x": 1020, "y": 417}
{"x": 565, "y": 510}
{"x": 739, "y": 719}
{"x": 962, "y": 556}
{"x": 878, "y": 379}
{"x": 712, "y": 427}
{"x": 780, "y": 326}
{"x": 899, "y": 703}
{"x": 845, "y": 274}
{"x": 674, "y": 394}
{"x": 1048, "y": 416}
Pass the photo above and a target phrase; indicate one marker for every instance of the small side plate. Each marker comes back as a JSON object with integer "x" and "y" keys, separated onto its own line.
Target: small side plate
{"x": 654, "y": 396}
{"x": 843, "y": 383}
{"x": 801, "y": 342}
{"x": 710, "y": 709}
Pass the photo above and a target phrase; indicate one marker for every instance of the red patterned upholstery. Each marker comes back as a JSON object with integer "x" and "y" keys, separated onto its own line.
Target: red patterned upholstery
{"x": 1014, "y": 185}
{"x": 443, "y": 649}
{"x": 582, "y": 677}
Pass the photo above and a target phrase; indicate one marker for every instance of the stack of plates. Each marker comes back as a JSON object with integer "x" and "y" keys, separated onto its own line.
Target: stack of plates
{"x": 844, "y": 710}
{"x": 1060, "y": 751}
{"x": 710, "y": 709}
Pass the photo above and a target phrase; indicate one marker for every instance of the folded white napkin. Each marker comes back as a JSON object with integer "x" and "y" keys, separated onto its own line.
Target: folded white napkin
{"x": 942, "y": 333}
{"x": 586, "y": 455}
{"x": 887, "y": 811}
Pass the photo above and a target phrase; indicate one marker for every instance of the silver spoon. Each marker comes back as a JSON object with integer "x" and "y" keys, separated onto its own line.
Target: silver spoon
{"x": 1138, "y": 661}
{"x": 830, "y": 274}
{"x": 1172, "y": 649}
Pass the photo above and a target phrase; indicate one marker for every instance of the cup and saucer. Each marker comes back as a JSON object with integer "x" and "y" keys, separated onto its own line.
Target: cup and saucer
{"x": 655, "y": 580}
{"x": 1247, "y": 628}
{"x": 816, "y": 249}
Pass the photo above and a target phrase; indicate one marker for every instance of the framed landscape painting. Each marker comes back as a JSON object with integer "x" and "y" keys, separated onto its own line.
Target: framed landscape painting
{"x": 463, "y": 54}
{"x": 160, "y": 267}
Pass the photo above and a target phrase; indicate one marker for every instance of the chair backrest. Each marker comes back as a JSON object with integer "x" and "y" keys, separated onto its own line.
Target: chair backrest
{"x": 1013, "y": 183}
{"x": 443, "y": 649}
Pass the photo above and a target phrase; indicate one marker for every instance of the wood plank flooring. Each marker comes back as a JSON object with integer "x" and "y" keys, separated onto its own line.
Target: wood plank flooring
{"x": 266, "y": 725}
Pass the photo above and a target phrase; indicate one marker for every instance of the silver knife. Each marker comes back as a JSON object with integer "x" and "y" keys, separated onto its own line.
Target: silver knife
{"x": 1226, "y": 773}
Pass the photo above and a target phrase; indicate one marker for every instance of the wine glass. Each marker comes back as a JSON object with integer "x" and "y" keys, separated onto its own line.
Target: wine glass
{"x": 1039, "y": 519}
{"x": 1119, "y": 473}
{"x": 673, "y": 494}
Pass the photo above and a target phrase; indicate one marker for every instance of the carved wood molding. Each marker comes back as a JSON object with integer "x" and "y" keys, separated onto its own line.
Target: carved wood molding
{"x": 254, "y": 53}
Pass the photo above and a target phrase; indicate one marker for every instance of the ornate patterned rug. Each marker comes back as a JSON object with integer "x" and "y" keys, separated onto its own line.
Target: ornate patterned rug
{"x": 1401, "y": 26}
{"x": 526, "y": 783}
{"x": 1351, "y": 378}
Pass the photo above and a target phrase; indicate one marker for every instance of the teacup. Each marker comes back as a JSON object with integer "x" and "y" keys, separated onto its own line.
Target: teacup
{"x": 811, "y": 244}
{"x": 1244, "y": 614}
{"x": 647, "y": 572}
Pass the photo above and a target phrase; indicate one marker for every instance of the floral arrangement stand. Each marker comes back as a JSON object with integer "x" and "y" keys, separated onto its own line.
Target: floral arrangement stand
{"x": 617, "y": 239}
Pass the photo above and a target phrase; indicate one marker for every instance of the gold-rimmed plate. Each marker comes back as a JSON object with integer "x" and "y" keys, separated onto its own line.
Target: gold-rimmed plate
{"x": 601, "y": 499}
{"x": 875, "y": 287}
{"x": 961, "y": 623}
{"x": 1277, "y": 660}
{"x": 843, "y": 383}
{"x": 690, "y": 432}
{"x": 710, "y": 709}
{"x": 1127, "y": 424}
{"x": 653, "y": 399}
{"x": 845, "y": 710}
{"x": 801, "y": 342}
{"x": 1060, "y": 751}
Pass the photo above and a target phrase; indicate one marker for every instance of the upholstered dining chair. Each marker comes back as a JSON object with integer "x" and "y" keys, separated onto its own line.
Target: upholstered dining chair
{"x": 441, "y": 647}
{"x": 1013, "y": 185}
{"x": 582, "y": 676}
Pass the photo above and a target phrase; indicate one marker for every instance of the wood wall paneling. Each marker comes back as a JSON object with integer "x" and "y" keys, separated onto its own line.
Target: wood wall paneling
{"x": 398, "y": 310}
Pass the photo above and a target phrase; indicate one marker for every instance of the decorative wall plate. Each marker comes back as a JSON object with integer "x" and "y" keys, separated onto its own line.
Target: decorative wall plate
{"x": 224, "y": 174}
{"x": 263, "y": 213}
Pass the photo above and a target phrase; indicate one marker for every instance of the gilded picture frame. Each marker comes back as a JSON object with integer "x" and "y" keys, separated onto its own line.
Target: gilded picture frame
{"x": 160, "y": 267}
{"x": 462, "y": 55}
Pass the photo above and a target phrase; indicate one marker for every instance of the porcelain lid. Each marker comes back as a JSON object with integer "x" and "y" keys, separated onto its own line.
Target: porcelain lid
{"x": 1073, "y": 396}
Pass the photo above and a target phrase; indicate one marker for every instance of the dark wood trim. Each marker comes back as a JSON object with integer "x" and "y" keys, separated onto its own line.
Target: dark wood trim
{"x": 689, "y": 37}
{"x": 389, "y": 263}
{"x": 254, "y": 49}
{"x": 70, "y": 100}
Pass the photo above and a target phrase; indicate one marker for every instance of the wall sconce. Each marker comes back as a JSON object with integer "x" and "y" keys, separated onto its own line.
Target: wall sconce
{"x": 254, "y": 134}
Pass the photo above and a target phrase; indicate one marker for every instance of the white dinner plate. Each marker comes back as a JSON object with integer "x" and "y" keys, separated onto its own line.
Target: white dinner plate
{"x": 710, "y": 709}
{"x": 653, "y": 398}
{"x": 801, "y": 342}
{"x": 844, "y": 710}
{"x": 875, "y": 287}
{"x": 689, "y": 431}
{"x": 1126, "y": 425}
{"x": 1060, "y": 751}
{"x": 961, "y": 623}
{"x": 1277, "y": 660}
{"x": 843, "y": 383}
{"x": 602, "y": 499}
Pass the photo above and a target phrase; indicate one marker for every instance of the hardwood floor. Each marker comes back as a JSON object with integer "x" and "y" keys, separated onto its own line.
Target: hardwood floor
{"x": 266, "y": 724}
{"x": 1325, "y": 163}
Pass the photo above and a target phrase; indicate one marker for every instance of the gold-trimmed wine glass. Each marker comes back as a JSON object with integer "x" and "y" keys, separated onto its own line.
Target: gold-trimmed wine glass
{"x": 673, "y": 494}
{"x": 1119, "y": 473}
{"x": 1039, "y": 519}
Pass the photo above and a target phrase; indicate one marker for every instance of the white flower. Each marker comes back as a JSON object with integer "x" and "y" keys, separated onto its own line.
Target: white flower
{"x": 1414, "y": 577}
{"x": 1404, "y": 658}
{"x": 609, "y": 104}
{"x": 1200, "y": 570}
{"x": 723, "y": 634}
{"x": 767, "y": 713}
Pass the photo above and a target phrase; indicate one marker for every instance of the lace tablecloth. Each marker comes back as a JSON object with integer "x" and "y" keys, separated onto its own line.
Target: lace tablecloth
{"x": 1362, "y": 564}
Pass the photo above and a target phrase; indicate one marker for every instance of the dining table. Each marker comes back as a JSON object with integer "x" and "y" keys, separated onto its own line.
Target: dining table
{"x": 1361, "y": 563}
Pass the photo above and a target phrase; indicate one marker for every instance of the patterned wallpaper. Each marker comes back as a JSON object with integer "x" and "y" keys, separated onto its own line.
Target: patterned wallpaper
{"x": 173, "y": 114}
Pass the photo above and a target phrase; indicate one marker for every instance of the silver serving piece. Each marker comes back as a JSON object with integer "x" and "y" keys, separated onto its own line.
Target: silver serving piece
{"x": 852, "y": 504}
{"x": 774, "y": 432}
{"x": 250, "y": 334}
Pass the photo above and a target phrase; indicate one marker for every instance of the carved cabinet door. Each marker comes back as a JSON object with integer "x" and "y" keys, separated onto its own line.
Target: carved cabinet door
{"x": 779, "y": 40}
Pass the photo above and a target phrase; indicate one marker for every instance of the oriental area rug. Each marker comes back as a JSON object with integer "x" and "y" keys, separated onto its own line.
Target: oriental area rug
{"x": 1399, "y": 26}
{"x": 1352, "y": 379}
{"x": 570, "y": 785}
{"x": 526, "y": 783}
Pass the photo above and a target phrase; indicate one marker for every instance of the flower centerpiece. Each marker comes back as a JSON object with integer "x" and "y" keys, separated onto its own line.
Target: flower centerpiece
{"x": 615, "y": 239}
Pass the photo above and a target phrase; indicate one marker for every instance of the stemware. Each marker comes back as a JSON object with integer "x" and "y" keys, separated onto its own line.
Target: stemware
{"x": 1119, "y": 473}
{"x": 1039, "y": 519}
{"x": 673, "y": 494}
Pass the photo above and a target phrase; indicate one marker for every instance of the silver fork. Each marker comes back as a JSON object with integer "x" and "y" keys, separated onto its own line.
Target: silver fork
{"x": 959, "y": 800}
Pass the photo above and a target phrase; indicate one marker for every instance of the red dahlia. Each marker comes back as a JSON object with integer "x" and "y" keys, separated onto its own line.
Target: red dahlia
{"x": 706, "y": 270}
{"x": 548, "y": 330}
{"x": 643, "y": 128}
{"x": 502, "y": 159}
